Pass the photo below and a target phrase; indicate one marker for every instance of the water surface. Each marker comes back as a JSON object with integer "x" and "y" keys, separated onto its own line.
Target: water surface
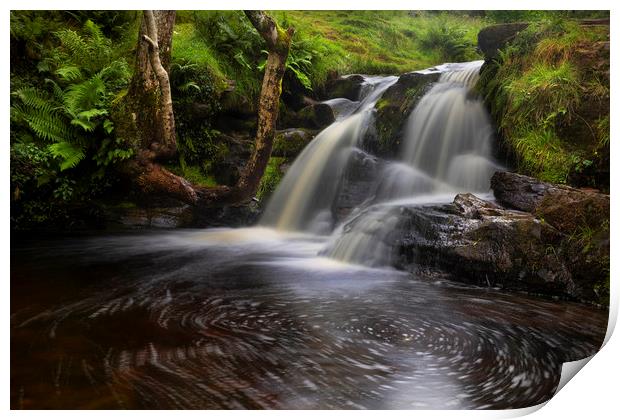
{"x": 252, "y": 318}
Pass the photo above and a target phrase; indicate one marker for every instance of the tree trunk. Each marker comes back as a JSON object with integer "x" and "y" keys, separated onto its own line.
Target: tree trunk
{"x": 278, "y": 44}
{"x": 151, "y": 82}
{"x": 145, "y": 99}
{"x": 166, "y": 146}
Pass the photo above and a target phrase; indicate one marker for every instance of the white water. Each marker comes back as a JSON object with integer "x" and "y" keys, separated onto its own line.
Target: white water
{"x": 446, "y": 149}
{"x": 303, "y": 199}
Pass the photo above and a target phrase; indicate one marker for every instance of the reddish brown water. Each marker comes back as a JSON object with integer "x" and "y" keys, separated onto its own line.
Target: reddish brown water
{"x": 251, "y": 319}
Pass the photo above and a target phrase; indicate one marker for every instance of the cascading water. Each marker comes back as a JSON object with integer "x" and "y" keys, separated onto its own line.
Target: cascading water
{"x": 303, "y": 199}
{"x": 446, "y": 150}
{"x": 449, "y": 133}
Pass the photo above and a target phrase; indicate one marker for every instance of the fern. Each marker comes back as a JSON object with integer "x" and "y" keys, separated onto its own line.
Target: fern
{"x": 69, "y": 73}
{"x": 70, "y": 154}
{"x": 84, "y": 96}
{"x": 68, "y": 115}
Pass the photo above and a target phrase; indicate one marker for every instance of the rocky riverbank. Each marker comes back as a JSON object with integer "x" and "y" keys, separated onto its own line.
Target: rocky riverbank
{"x": 537, "y": 237}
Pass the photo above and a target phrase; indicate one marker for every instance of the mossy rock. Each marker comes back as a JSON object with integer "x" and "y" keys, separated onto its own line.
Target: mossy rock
{"x": 348, "y": 87}
{"x": 290, "y": 142}
{"x": 393, "y": 109}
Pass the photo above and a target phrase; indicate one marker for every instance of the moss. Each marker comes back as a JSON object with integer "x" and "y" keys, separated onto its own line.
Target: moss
{"x": 547, "y": 93}
{"x": 271, "y": 178}
{"x": 193, "y": 174}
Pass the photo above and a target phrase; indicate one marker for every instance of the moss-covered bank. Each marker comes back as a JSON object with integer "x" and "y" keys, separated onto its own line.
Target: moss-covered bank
{"x": 547, "y": 88}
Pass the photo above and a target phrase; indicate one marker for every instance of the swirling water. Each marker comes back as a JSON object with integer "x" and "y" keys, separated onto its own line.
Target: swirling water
{"x": 261, "y": 318}
{"x": 252, "y": 318}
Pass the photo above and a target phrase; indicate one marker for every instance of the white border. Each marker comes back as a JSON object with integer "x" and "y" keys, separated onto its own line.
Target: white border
{"x": 594, "y": 391}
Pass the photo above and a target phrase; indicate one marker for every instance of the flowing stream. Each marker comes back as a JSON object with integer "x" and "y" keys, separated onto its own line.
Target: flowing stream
{"x": 303, "y": 310}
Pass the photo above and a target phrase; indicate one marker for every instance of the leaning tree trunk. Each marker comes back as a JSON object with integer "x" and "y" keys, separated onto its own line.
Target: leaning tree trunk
{"x": 278, "y": 46}
{"x": 150, "y": 104}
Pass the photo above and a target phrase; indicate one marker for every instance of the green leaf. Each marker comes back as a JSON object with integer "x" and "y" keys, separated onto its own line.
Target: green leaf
{"x": 108, "y": 126}
{"x": 70, "y": 154}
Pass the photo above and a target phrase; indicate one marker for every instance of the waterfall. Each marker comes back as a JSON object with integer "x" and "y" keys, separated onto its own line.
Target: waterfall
{"x": 446, "y": 149}
{"x": 449, "y": 132}
{"x": 304, "y": 197}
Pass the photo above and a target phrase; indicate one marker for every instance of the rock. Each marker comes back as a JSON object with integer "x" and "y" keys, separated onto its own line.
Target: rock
{"x": 348, "y": 87}
{"x": 290, "y": 142}
{"x": 563, "y": 207}
{"x": 129, "y": 215}
{"x": 485, "y": 244}
{"x": 359, "y": 178}
{"x": 519, "y": 191}
{"x": 315, "y": 116}
{"x": 493, "y": 38}
{"x": 554, "y": 240}
{"x": 227, "y": 168}
{"x": 393, "y": 108}
{"x": 342, "y": 107}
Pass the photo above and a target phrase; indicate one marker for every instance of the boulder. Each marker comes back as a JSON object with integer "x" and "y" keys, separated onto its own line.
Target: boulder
{"x": 315, "y": 116}
{"x": 493, "y": 38}
{"x": 552, "y": 239}
{"x": 348, "y": 87}
{"x": 359, "y": 178}
{"x": 290, "y": 142}
{"x": 485, "y": 244}
{"x": 566, "y": 209}
{"x": 393, "y": 108}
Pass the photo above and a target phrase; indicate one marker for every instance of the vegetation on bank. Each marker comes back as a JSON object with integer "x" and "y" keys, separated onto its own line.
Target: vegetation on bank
{"x": 69, "y": 69}
{"x": 548, "y": 91}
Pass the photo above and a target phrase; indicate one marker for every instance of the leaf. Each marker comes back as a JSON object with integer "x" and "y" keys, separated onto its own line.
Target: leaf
{"x": 69, "y": 73}
{"x": 108, "y": 126}
{"x": 70, "y": 154}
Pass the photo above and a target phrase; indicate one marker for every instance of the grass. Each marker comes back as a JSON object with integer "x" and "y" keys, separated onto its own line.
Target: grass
{"x": 193, "y": 174}
{"x": 332, "y": 42}
{"x": 541, "y": 95}
{"x": 381, "y": 41}
{"x": 271, "y": 178}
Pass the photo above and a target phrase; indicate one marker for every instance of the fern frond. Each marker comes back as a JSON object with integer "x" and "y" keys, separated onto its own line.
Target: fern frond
{"x": 69, "y": 73}
{"x": 85, "y": 95}
{"x": 33, "y": 98}
{"x": 70, "y": 154}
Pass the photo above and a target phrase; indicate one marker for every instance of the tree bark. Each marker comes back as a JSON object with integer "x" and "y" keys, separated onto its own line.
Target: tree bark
{"x": 278, "y": 45}
{"x": 166, "y": 147}
{"x": 145, "y": 99}
{"x": 151, "y": 76}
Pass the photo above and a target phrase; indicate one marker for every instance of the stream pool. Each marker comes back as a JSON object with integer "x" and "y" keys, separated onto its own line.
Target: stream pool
{"x": 251, "y": 318}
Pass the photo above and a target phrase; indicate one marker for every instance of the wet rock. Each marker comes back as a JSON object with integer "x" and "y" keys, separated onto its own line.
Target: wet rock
{"x": 554, "y": 240}
{"x": 348, "y": 87}
{"x": 129, "y": 215}
{"x": 492, "y": 38}
{"x": 290, "y": 142}
{"x": 563, "y": 207}
{"x": 358, "y": 179}
{"x": 342, "y": 107}
{"x": 519, "y": 191}
{"x": 393, "y": 109}
{"x": 485, "y": 244}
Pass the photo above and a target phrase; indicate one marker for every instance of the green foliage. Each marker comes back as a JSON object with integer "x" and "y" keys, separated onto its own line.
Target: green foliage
{"x": 537, "y": 88}
{"x": 197, "y": 142}
{"x": 450, "y": 40}
{"x": 62, "y": 141}
{"x": 271, "y": 178}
